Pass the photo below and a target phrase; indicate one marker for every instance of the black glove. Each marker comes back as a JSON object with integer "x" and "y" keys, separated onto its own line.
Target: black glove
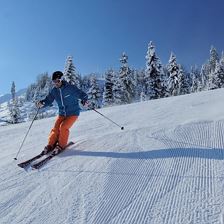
{"x": 91, "y": 106}
{"x": 84, "y": 102}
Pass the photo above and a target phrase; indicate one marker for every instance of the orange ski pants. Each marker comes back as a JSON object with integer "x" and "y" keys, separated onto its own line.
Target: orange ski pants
{"x": 60, "y": 131}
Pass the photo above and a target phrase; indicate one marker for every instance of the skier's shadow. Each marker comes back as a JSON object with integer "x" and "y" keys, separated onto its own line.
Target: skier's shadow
{"x": 205, "y": 153}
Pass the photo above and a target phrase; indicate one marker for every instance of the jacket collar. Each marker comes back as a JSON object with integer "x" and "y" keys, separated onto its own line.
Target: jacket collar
{"x": 64, "y": 83}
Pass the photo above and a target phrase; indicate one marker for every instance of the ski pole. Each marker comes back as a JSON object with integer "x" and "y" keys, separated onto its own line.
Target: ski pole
{"x": 27, "y": 133}
{"x": 122, "y": 128}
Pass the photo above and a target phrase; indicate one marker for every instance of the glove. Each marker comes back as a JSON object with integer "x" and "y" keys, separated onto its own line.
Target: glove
{"x": 39, "y": 104}
{"x": 84, "y": 103}
{"x": 87, "y": 105}
{"x": 91, "y": 106}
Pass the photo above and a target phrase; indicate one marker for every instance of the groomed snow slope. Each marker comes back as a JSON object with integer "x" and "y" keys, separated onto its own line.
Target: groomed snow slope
{"x": 167, "y": 166}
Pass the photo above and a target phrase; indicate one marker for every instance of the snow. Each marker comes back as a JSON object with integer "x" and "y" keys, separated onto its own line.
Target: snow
{"x": 166, "y": 166}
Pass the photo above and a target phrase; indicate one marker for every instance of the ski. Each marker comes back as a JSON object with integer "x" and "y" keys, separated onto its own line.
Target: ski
{"x": 38, "y": 165}
{"x": 29, "y": 161}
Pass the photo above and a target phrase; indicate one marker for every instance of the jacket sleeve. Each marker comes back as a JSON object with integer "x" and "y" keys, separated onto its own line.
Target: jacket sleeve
{"x": 80, "y": 94}
{"x": 49, "y": 99}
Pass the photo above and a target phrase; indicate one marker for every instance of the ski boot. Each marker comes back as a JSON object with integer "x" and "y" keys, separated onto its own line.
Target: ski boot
{"x": 57, "y": 150}
{"x": 47, "y": 149}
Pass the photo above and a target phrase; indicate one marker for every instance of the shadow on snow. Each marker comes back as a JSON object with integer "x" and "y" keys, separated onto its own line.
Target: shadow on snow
{"x": 204, "y": 153}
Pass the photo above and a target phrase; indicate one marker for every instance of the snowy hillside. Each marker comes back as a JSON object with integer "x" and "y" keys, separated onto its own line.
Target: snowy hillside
{"x": 27, "y": 111}
{"x": 166, "y": 166}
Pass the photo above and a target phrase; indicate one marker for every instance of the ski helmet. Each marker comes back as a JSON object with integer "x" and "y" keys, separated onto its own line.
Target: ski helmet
{"x": 57, "y": 75}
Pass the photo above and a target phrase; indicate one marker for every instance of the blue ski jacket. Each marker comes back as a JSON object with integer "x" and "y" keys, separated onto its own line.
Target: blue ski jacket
{"x": 67, "y": 98}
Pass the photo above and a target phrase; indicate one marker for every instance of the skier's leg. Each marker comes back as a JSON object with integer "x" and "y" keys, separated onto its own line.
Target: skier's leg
{"x": 54, "y": 134}
{"x": 64, "y": 130}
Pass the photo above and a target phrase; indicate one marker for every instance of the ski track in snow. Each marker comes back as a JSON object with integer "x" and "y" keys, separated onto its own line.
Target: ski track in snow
{"x": 144, "y": 187}
{"x": 144, "y": 184}
{"x": 142, "y": 175}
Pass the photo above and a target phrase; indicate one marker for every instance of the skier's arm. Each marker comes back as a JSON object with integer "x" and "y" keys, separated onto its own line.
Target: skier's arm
{"x": 81, "y": 95}
{"x": 48, "y": 100}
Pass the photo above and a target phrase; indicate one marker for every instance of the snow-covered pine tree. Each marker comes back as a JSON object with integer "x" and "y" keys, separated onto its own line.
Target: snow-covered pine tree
{"x": 218, "y": 77}
{"x": 135, "y": 83}
{"x": 183, "y": 82}
{"x": 164, "y": 80}
{"x": 173, "y": 81}
{"x": 85, "y": 83}
{"x": 30, "y": 92}
{"x": 188, "y": 80}
{"x": 222, "y": 59}
{"x": 214, "y": 57}
{"x": 21, "y": 101}
{"x": 94, "y": 94}
{"x": 117, "y": 89}
{"x": 42, "y": 87}
{"x": 37, "y": 94}
{"x": 195, "y": 79}
{"x": 39, "y": 91}
{"x": 13, "y": 107}
{"x": 48, "y": 85}
{"x": 204, "y": 78}
{"x": 126, "y": 80}
{"x": 13, "y": 91}
{"x": 166, "y": 76}
{"x": 142, "y": 96}
{"x": 154, "y": 76}
{"x": 108, "y": 98}
{"x": 70, "y": 74}
{"x": 139, "y": 77}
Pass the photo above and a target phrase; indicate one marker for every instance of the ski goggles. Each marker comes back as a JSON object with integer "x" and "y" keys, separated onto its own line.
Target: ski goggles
{"x": 56, "y": 81}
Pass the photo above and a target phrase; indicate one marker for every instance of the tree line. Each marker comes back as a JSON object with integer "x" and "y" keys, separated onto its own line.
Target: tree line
{"x": 129, "y": 85}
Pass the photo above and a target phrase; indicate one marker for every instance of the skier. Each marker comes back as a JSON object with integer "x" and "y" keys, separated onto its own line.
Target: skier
{"x": 66, "y": 96}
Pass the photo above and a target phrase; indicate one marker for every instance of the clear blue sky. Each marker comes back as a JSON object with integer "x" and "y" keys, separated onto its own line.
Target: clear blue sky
{"x": 38, "y": 35}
